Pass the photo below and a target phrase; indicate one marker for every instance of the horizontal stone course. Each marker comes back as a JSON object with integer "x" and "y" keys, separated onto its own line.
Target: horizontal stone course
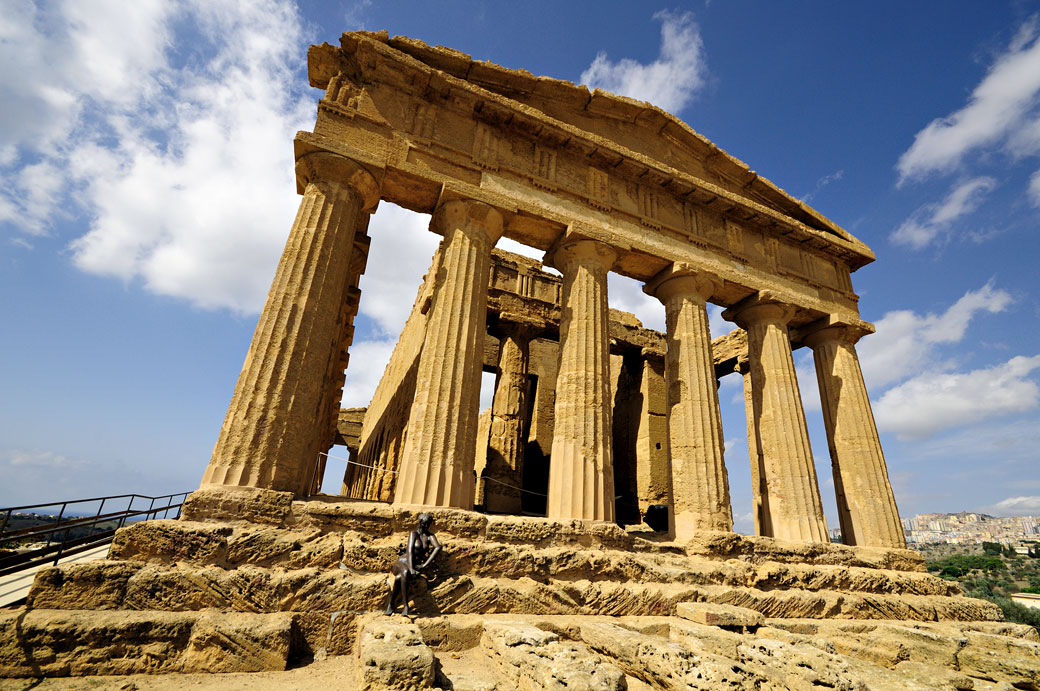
{"x": 830, "y": 604}
{"x": 63, "y": 643}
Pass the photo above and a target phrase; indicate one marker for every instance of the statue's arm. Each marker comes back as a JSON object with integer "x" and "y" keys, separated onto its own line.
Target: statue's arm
{"x": 434, "y": 553}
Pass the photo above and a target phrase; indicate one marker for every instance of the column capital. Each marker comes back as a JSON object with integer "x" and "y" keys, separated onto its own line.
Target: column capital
{"x": 681, "y": 279}
{"x": 325, "y": 166}
{"x": 759, "y": 308}
{"x": 830, "y": 329}
{"x": 468, "y": 215}
{"x": 583, "y": 251}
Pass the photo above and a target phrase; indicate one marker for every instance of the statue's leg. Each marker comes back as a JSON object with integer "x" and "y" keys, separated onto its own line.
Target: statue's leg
{"x": 404, "y": 592}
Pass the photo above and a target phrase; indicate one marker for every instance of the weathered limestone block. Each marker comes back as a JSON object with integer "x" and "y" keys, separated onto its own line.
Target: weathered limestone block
{"x": 438, "y": 459}
{"x": 543, "y": 532}
{"x": 581, "y": 475}
{"x": 996, "y": 651}
{"x": 797, "y": 666}
{"x": 881, "y": 643}
{"x": 333, "y": 590}
{"x": 253, "y": 589}
{"x": 168, "y": 541}
{"x": 773, "y": 575}
{"x": 75, "y": 642}
{"x": 662, "y": 663}
{"x": 828, "y": 604}
{"x": 64, "y": 643}
{"x": 374, "y": 519}
{"x": 758, "y": 549}
{"x": 95, "y": 585}
{"x": 392, "y": 656}
{"x": 236, "y": 642}
{"x": 234, "y": 504}
{"x": 716, "y": 614}
{"x": 178, "y": 590}
{"x": 294, "y": 549}
{"x": 533, "y": 659}
{"x": 475, "y": 595}
{"x": 1001, "y": 658}
{"x": 933, "y": 676}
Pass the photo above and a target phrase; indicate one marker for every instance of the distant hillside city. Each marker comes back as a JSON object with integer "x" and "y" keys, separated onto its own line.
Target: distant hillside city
{"x": 1018, "y": 532}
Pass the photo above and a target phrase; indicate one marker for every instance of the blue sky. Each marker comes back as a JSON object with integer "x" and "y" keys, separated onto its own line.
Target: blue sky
{"x": 146, "y": 166}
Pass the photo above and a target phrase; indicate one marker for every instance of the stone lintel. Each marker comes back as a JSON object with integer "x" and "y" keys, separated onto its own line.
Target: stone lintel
{"x": 348, "y": 427}
{"x": 728, "y": 351}
{"x": 519, "y": 323}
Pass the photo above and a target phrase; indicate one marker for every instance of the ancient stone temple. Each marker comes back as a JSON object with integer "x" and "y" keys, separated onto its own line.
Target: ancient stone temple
{"x": 600, "y": 183}
{"x": 586, "y": 516}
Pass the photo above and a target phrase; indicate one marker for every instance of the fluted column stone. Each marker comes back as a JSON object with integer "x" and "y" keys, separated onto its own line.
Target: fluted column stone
{"x": 581, "y": 471}
{"x": 866, "y": 505}
{"x": 700, "y": 487}
{"x": 761, "y": 520}
{"x": 272, "y": 432}
{"x": 437, "y": 462}
{"x": 795, "y": 509}
{"x": 503, "y": 474}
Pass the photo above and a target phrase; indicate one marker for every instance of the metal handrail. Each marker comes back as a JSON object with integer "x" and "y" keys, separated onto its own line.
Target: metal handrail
{"x": 99, "y": 525}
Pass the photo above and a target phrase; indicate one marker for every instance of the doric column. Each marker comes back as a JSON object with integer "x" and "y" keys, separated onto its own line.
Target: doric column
{"x": 273, "y": 429}
{"x": 866, "y": 506}
{"x": 581, "y": 470}
{"x": 795, "y": 509}
{"x": 503, "y": 474}
{"x": 437, "y": 462}
{"x": 759, "y": 493}
{"x": 700, "y": 488}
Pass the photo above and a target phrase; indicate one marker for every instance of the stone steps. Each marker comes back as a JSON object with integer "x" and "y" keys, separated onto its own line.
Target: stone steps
{"x": 144, "y": 586}
{"x": 235, "y": 509}
{"x": 205, "y": 544}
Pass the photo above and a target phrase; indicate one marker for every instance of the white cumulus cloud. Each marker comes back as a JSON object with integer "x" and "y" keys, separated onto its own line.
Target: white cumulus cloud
{"x": 905, "y": 342}
{"x": 999, "y": 107}
{"x": 169, "y": 126}
{"x": 671, "y": 81}
{"x": 935, "y": 220}
{"x": 931, "y": 402}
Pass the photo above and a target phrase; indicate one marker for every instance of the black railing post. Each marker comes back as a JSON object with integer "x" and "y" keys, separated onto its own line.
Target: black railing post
{"x": 60, "y": 514}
